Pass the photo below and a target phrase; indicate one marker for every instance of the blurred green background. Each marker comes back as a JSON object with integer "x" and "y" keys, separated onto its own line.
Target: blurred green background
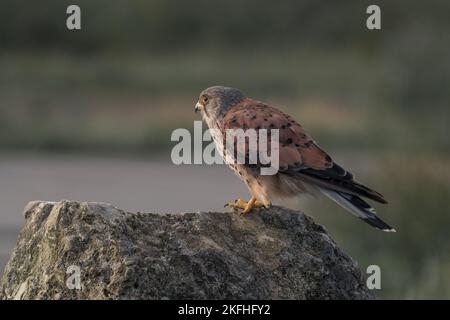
{"x": 377, "y": 100}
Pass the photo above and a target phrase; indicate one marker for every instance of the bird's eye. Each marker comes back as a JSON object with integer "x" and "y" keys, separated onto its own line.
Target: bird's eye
{"x": 204, "y": 99}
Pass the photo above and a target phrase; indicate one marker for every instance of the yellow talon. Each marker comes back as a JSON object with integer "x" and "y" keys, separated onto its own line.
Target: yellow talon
{"x": 246, "y": 206}
{"x": 237, "y": 204}
{"x": 249, "y": 205}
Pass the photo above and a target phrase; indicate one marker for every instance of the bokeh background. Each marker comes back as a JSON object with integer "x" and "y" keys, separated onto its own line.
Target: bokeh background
{"x": 87, "y": 115}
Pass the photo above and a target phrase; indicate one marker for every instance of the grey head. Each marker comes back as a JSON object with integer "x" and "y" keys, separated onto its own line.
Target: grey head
{"x": 214, "y": 102}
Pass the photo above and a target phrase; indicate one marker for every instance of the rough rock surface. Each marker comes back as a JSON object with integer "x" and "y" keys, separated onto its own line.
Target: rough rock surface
{"x": 271, "y": 254}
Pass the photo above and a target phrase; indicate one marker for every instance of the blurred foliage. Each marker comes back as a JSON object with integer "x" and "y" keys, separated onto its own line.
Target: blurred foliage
{"x": 166, "y": 25}
{"x": 133, "y": 73}
{"x": 162, "y": 25}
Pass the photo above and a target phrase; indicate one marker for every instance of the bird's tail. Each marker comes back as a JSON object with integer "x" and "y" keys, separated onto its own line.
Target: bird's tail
{"x": 358, "y": 207}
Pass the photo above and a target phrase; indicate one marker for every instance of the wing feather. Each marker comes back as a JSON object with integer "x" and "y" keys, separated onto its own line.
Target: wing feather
{"x": 299, "y": 154}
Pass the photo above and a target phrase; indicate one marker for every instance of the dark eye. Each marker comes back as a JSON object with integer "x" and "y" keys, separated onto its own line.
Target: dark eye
{"x": 204, "y": 100}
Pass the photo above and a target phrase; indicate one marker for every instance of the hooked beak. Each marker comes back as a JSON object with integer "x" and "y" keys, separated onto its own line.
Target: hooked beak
{"x": 198, "y": 107}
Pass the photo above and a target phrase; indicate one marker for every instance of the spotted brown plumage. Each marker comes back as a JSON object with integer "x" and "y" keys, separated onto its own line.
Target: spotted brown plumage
{"x": 304, "y": 167}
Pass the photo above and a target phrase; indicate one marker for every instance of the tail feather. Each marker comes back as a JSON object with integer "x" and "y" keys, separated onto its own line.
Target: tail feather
{"x": 345, "y": 186}
{"x": 357, "y": 207}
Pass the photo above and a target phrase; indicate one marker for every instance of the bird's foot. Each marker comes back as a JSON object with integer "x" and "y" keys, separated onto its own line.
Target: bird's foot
{"x": 246, "y": 206}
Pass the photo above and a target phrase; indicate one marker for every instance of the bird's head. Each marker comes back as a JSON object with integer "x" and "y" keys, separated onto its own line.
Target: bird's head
{"x": 214, "y": 102}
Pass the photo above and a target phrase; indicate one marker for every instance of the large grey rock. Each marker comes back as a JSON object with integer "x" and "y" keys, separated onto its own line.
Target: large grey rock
{"x": 271, "y": 254}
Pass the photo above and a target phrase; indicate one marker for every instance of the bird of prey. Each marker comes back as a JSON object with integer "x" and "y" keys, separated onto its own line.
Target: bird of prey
{"x": 303, "y": 166}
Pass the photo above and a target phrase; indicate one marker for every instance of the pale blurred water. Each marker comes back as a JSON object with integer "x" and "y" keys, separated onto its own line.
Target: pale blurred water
{"x": 146, "y": 185}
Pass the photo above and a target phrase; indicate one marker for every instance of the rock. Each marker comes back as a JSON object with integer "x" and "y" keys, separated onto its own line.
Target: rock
{"x": 78, "y": 250}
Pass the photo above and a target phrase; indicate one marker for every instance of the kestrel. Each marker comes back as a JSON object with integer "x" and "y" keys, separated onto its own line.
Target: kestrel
{"x": 303, "y": 166}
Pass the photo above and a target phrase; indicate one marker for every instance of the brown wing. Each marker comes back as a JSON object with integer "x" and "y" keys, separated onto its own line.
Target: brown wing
{"x": 299, "y": 154}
